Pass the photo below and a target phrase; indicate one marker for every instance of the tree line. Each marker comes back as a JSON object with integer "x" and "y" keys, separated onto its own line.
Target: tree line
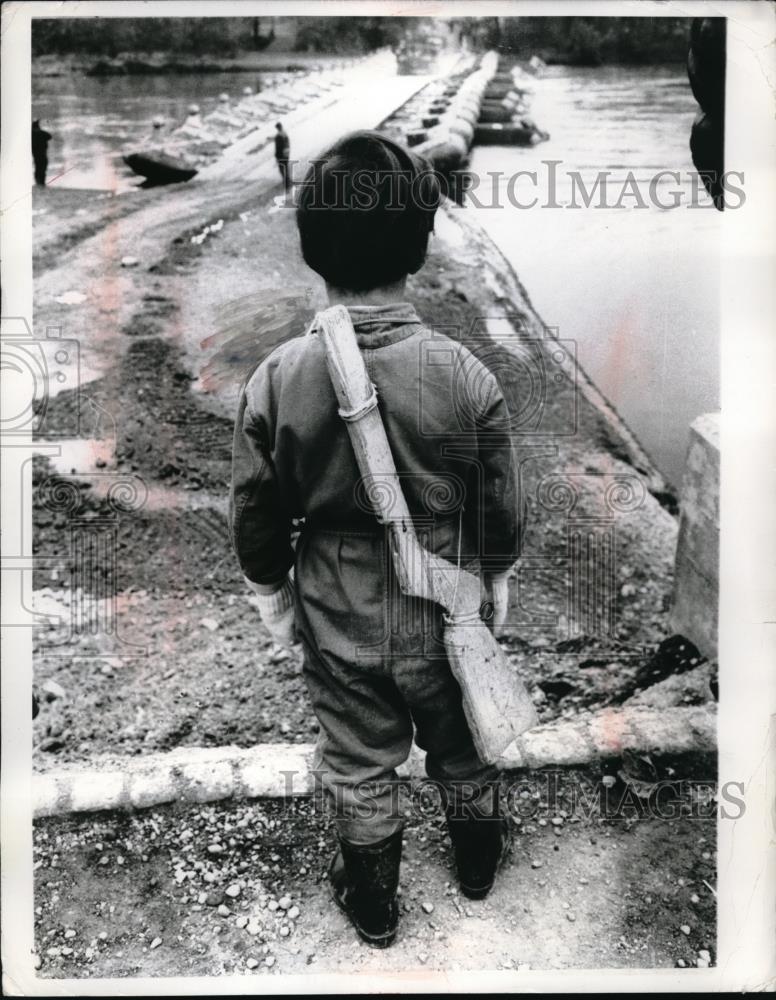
{"x": 574, "y": 40}
{"x": 594, "y": 41}
{"x": 224, "y": 36}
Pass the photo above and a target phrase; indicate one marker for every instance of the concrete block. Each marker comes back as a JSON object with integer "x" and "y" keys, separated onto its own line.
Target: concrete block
{"x": 611, "y": 732}
{"x": 282, "y": 770}
{"x": 661, "y": 732}
{"x": 696, "y": 580}
{"x": 152, "y": 786}
{"x": 47, "y": 797}
{"x": 275, "y": 770}
{"x": 206, "y": 781}
{"x": 90, "y": 791}
{"x": 642, "y": 729}
{"x": 703, "y": 725}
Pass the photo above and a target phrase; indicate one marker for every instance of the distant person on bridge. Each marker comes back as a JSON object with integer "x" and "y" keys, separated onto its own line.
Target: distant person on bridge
{"x": 40, "y": 140}
{"x": 282, "y": 153}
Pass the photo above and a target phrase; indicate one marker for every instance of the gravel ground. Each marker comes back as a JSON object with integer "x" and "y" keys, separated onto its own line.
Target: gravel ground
{"x": 241, "y": 888}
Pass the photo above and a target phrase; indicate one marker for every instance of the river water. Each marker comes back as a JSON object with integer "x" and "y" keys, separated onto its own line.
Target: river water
{"x": 636, "y": 289}
{"x": 94, "y": 119}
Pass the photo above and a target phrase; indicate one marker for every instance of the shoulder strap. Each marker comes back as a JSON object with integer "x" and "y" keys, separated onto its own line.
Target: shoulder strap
{"x": 357, "y": 398}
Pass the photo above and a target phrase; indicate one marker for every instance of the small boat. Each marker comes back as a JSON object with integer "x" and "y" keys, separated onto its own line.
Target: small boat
{"x": 498, "y": 91}
{"x": 492, "y": 111}
{"x": 446, "y": 155}
{"x": 159, "y": 167}
{"x": 511, "y": 134}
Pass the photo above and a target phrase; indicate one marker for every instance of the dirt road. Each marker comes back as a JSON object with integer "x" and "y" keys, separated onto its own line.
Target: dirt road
{"x": 242, "y": 889}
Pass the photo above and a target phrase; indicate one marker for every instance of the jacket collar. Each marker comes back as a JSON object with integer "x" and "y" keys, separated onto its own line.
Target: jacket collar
{"x": 379, "y": 326}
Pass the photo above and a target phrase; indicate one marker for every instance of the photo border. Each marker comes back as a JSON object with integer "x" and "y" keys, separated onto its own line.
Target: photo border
{"x": 747, "y": 634}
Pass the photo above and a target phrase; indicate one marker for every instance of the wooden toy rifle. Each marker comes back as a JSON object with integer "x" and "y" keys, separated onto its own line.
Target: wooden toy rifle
{"x": 497, "y": 705}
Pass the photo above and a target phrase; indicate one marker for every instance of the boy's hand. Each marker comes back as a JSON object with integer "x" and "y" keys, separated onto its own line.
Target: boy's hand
{"x": 496, "y": 588}
{"x": 276, "y": 608}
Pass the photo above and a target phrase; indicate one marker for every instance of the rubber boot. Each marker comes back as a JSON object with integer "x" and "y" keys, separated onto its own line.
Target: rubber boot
{"x": 364, "y": 879}
{"x": 481, "y": 840}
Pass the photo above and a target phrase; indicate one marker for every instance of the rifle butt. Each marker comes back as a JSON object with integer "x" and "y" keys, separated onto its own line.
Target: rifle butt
{"x": 497, "y": 705}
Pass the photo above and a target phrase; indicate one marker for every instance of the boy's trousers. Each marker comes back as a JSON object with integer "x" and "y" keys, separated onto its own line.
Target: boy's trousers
{"x": 375, "y": 668}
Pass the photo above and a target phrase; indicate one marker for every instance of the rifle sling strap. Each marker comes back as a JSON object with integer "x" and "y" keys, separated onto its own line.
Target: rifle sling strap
{"x": 358, "y": 413}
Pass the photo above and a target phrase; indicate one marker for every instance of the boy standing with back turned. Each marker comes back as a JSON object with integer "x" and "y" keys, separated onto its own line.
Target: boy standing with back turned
{"x": 374, "y": 663}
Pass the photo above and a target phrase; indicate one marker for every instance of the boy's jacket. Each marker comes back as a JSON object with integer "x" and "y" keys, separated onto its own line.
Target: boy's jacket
{"x": 447, "y": 424}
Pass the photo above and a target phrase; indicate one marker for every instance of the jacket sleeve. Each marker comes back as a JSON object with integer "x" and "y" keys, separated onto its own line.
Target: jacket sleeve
{"x": 259, "y": 526}
{"x": 501, "y": 511}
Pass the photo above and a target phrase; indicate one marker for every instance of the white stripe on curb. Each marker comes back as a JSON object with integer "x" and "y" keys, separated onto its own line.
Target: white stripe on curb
{"x": 280, "y": 770}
